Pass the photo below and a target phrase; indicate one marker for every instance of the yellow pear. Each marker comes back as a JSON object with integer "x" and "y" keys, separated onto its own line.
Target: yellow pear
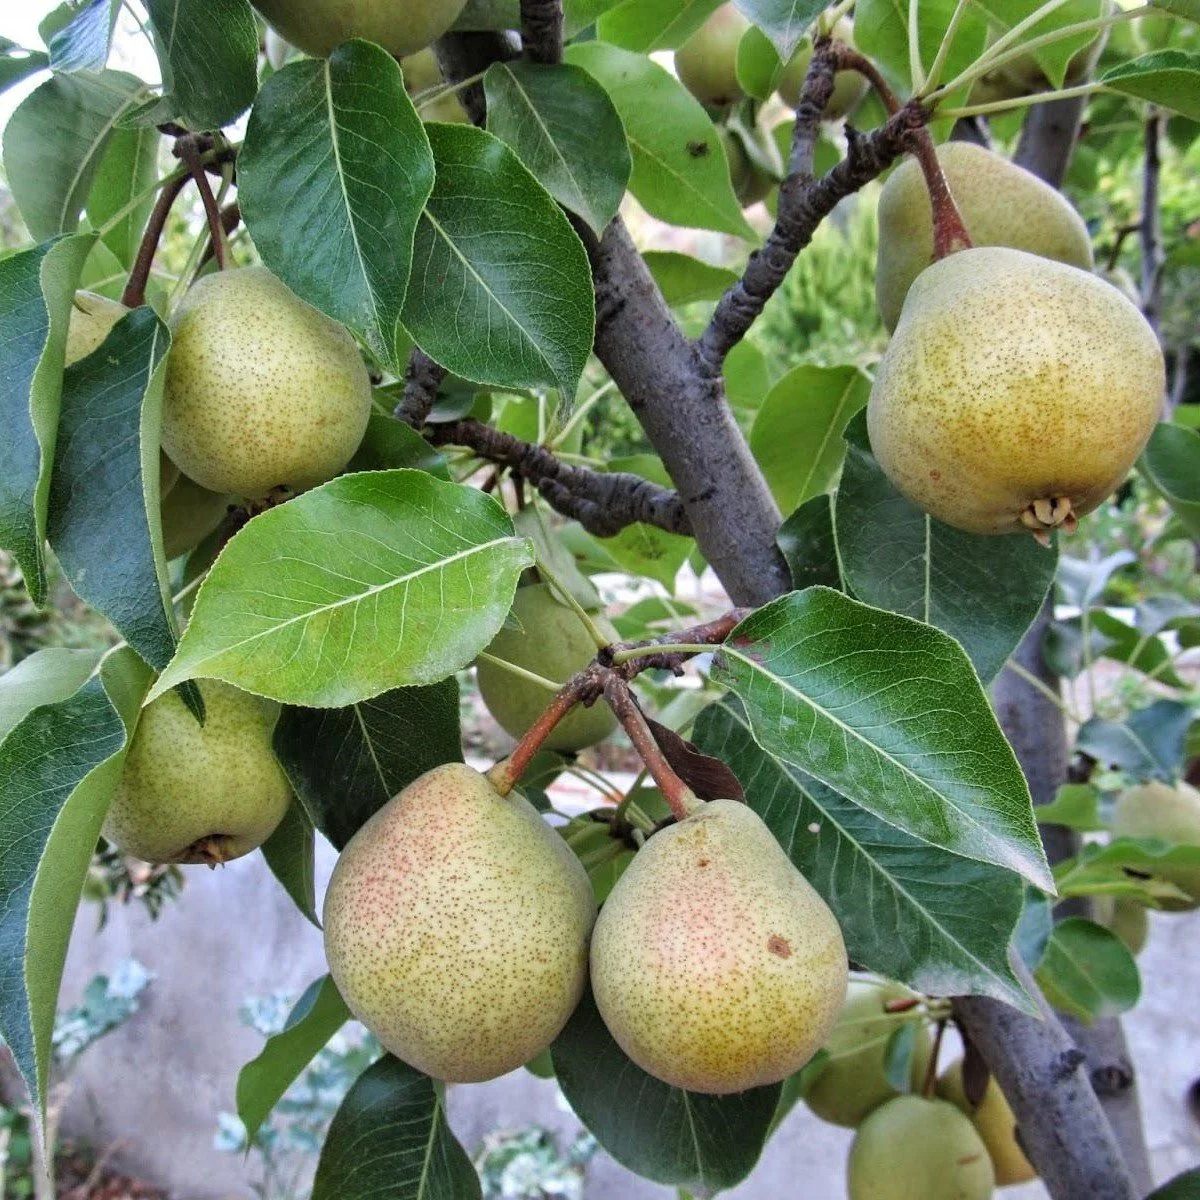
{"x": 456, "y": 927}
{"x": 399, "y": 26}
{"x": 849, "y": 87}
{"x": 994, "y": 1122}
{"x": 189, "y": 514}
{"x": 715, "y": 964}
{"x": 1170, "y": 814}
{"x": 421, "y": 72}
{"x": 853, "y": 1083}
{"x": 1128, "y": 919}
{"x": 1016, "y": 392}
{"x": 92, "y": 318}
{"x": 551, "y": 642}
{"x": 193, "y": 793}
{"x": 707, "y": 62}
{"x": 1001, "y": 203}
{"x": 917, "y": 1149}
{"x": 262, "y": 390}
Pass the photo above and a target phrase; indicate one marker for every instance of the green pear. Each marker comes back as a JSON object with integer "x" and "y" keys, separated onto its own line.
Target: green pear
{"x": 262, "y": 390}
{"x": 92, "y": 318}
{"x": 994, "y": 1122}
{"x": 853, "y": 1083}
{"x": 707, "y": 62}
{"x": 849, "y": 87}
{"x": 1016, "y": 392}
{"x": 421, "y": 72}
{"x": 456, "y": 927}
{"x": 399, "y": 26}
{"x": 1170, "y": 814}
{"x": 1025, "y": 76}
{"x": 750, "y": 182}
{"x": 715, "y": 964}
{"x": 554, "y": 643}
{"x": 189, "y": 514}
{"x": 1001, "y": 205}
{"x": 192, "y": 793}
{"x": 1128, "y": 919}
{"x": 917, "y": 1149}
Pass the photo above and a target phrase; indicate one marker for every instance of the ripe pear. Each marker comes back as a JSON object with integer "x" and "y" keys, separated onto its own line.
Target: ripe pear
{"x": 1016, "y": 392}
{"x": 1170, "y": 814}
{"x": 853, "y": 1083}
{"x": 456, "y": 927}
{"x": 917, "y": 1149}
{"x": 750, "y": 182}
{"x": 1128, "y": 919}
{"x": 849, "y": 87}
{"x": 715, "y": 964}
{"x": 400, "y": 26}
{"x": 192, "y": 793}
{"x": 189, "y": 514}
{"x": 552, "y": 642}
{"x": 421, "y": 72}
{"x": 92, "y": 318}
{"x": 1001, "y": 205}
{"x": 707, "y": 62}
{"x": 994, "y": 1122}
{"x": 262, "y": 390}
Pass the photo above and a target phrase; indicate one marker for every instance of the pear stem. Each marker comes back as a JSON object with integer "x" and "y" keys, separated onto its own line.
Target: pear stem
{"x": 563, "y": 593}
{"x": 849, "y": 59}
{"x": 134, "y": 295}
{"x": 190, "y": 156}
{"x": 931, "y": 1073}
{"x": 949, "y": 231}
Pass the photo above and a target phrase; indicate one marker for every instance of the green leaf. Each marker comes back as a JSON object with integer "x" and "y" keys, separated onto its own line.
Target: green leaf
{"x": 291, "y": 854}
{"x": 1055, "y": 58}
{"x": 58, "y": 768}
{"x": 208, "y": 51}
{"x": 686, "y": 280}
{"x": 501, "y": 290}
{"x": 390, "y": 1141}
{"x": 104, "y": 496}
{"x": 680, "y": 173}
{"x": 783, "y": 21}
{"x": 1171, "y": 461}
{"x": 1124, "y": 643}
{"x": 1075, "y": 805}
{"x": 890, "y": 713}
{"x": 1187, "y": 1185}
{"x": 128, "y": 169}
{"x": 55, "y": 141}
{"x": 1148, "y": 744}
{"x": 881, "y": 32}
{"x": 649, "y": 551}
{"x": 370, "y": 582}
{"x": 645, "y": 25}
{"x": 1088, "y": 971}
{"x": 807, "y": 542}
{"x": 1167, "y": 77}
{"x": 703, "y": 1143}
{"x": 332, "y": 180}
{"x": 347, "y": 763}
{"x": 82, "y": 44}
{"x": 45, "y": 677}
{"x": 316, "y": 1017}
{"x": 797, "y": 434}
{"x": 36, "y": 287}
{"x": 554, "y": 557}
{"x": 564, "y": 128}
{"x": 936, "y": 921}
{"x": 389, "y": 444}
{"x": 758, "y": 64}
{"x": 17, "y": 63}
{"x": 1136, "y": 867}
{"x": 983, "y": 591}
{"x": 747, "y": 381}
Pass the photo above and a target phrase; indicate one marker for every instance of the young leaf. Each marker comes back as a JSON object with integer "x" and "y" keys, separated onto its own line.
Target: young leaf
{"x": 703, "y": 1143}
{"x": 1167, "y": 77}
{"x": 390, "y": 1141}
{"x": 347, "y": 763}
{"x": 370, "y": 582}
{"x": 1171, "y": 462}
{"x": 686, "y": 280}
{"x": 783, "y": 21}
{"x": 58, "y": 768}
{"x": 680, "y": 174}
{"x": 807, "y": 542}
{"x": 501, "y": 291}
{"x": 332, "y": 179}
{"x": 82, "y": 44}
{"x": 936, "y": 921}
{"x": 36, "y": 287}
{"x": 291, "y": 853}
{"x": 104, "y": 495}
{"x": 564, "y": 128}
{"x": 316, "y": 1017}
{"x": 645, "y": 25}
{"x": 1088, "y": 971}
{"x": 890, "y": 713}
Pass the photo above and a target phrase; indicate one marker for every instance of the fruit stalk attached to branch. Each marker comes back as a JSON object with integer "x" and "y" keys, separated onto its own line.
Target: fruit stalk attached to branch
{"x": 190, "y": 157}
{"x": 135, "y": 290}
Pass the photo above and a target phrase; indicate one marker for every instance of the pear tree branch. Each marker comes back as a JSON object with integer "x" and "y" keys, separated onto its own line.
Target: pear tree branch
{"x": 422, "y": 378}
{"x": 542, "y": 30}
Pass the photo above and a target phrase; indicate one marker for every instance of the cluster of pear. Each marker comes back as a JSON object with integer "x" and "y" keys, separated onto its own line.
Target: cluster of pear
{"x": 402, "y": 27}
{"x": 1019, "y": 387}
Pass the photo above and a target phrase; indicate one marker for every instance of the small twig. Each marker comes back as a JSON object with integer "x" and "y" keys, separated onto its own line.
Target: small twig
{"x": 631, "y": 658}
{"x": 931, "y": 1071}
{"x": 189, "y": 155}
{"x": 542, "y": 30}
{"x": 422, "y": 378}
{"x": 849, "y": 59}
{"x": 231, "y": 216}
{"x": 135, "y": 290}
{"x": 1122, "y": 232}
{"x": 1151, "y": 224}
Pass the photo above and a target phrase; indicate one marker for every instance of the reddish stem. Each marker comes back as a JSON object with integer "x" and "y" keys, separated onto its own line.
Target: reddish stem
{"x": 711, "y": 633}
{"x": 931, "y": 1073}
{"x": 949, "y": 232}
{"x": 135, "y": 290}
{"x": 849, "y": 59}
{"x": 190, "y": 157}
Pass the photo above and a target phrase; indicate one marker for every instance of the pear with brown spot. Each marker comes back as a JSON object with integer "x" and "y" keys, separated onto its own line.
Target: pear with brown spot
{"x": 715, "y": 964}
{"x": 456, "y": 927}
{"x": 1015, "y": 394}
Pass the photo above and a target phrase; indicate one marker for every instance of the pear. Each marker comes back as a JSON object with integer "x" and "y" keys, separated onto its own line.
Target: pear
{"x": 1024, "y": 76}
{"x": 715, "y": 964}
{"x": 456, "y": 927}
{"x": 421, "y": 72}
{"x": 192, "y": 793}
{"x": 399, "y": 26}
{"x": 994, "y": 1122}
{"x": 552, "y": 642}
{"x": 917, "y": 1149}
{"x": 1001, "y": 203}
{"x": 707, "y": 62}
{"x": 1170, "y": 814}
{"x": 92, "y": 319}
{"x": 849, "y": 87}
{"x": 1128, "y": 919}
{"x": 262, "y": 390}
{"x": 1016, "y": 392}
{"x": 189, "y": 514}
{"x": 750, "y": 182}
{"x": 853, "y": 1083}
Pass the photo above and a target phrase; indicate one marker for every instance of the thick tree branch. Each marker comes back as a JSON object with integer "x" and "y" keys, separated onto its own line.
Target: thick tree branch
{"x": 1048, "y": 137}
{"x": 542, "y": 30}
{"x": 602, "y": 502}
{"x": 422, "y": 378}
